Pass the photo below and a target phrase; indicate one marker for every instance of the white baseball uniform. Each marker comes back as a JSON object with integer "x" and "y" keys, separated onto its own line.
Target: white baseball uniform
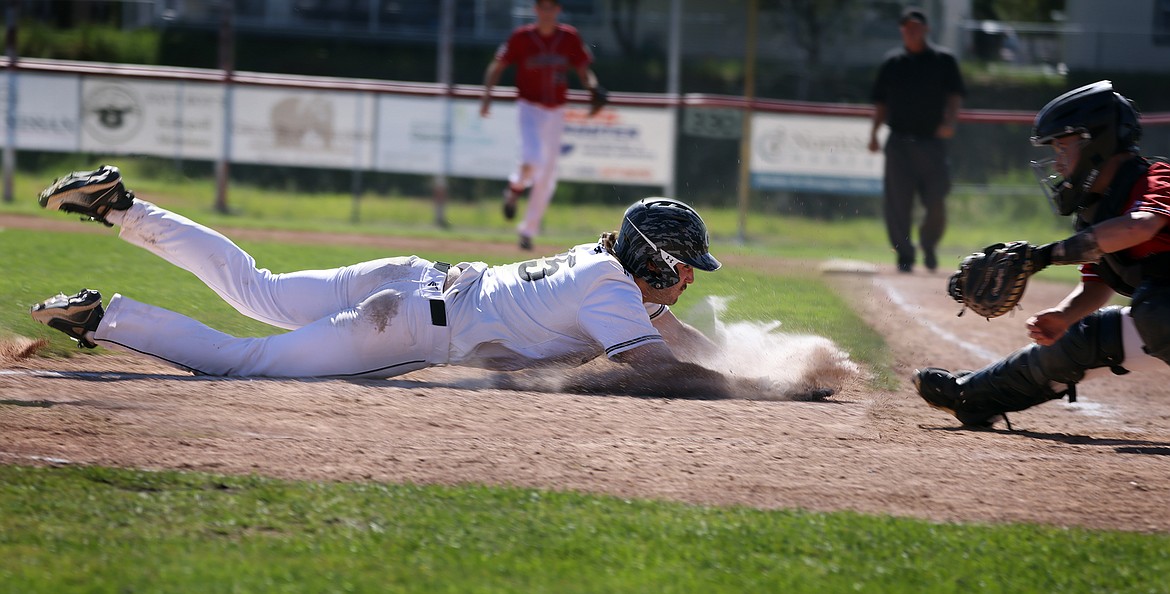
{"x": 379, "y": 318}
{"x": 541, "y": 129}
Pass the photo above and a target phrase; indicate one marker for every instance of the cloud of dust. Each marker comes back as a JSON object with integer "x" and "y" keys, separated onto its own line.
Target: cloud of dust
{"x": 788, "y": 366}
{"x": 794, "y": 363}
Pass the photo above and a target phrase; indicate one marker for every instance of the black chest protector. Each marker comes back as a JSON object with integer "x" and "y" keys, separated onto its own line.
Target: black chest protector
{"x": 1120, "y": 271}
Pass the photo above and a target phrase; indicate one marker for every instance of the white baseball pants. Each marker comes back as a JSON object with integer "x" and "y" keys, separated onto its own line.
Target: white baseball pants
{"x": 541, "y": 129}
{"x": 370, "y": 319}
{"x": 1136, "y": 358}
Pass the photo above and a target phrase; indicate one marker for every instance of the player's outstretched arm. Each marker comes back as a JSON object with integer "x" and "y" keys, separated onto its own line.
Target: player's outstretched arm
{"x": 686, "y": 341}
{"x": 652, "y": 370}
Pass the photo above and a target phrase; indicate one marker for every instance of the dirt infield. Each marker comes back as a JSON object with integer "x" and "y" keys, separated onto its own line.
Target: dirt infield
{"x": 1103, "y": 462}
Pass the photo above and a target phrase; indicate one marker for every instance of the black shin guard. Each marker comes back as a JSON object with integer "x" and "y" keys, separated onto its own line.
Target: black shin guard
{"x": 1025, "y": 378}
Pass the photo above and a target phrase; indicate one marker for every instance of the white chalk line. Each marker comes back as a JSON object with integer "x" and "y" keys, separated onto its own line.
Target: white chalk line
{"x": 896, "y": 297}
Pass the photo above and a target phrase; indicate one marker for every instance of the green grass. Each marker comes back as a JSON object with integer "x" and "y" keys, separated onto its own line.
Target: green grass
{"x": 103, "y": 530}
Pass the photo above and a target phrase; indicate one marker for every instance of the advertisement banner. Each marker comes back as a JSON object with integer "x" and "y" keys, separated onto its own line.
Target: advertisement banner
{"x": 620, "y": 145}
{"x": 410, "y": 137}
{"x": 47, "y": 109}
{"x": 301, "y": 127}
{"x": 162, "y": 118}
{"x": 328, "y": 129}
{"x": 623, "y": 145}
{"x": 814, "y": 154}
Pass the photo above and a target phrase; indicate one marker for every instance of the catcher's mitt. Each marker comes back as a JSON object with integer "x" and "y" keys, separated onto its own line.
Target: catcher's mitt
{"x": 992, "y": 281}
{"x": 598, "y": 98}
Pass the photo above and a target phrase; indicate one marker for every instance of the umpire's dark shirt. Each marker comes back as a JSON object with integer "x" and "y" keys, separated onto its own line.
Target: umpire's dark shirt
{"x": 914, "y": 88}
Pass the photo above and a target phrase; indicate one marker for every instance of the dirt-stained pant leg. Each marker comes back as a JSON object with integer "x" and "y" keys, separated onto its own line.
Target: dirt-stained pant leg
{"x": 287, "y": 300}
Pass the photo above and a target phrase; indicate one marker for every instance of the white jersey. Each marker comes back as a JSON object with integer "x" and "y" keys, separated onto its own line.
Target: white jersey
{"x": 568, "y": 308}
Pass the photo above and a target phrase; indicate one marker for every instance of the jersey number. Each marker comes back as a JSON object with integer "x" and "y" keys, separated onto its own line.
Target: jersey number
{"x": 534, "y": 270}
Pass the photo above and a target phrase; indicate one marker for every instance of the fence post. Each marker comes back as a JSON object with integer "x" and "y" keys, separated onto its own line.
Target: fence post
{"x": 446, "y": 41}
{"x": 11, "y": 14}
{"x": 226, "y": 64}
{"x": 749, "y": 96}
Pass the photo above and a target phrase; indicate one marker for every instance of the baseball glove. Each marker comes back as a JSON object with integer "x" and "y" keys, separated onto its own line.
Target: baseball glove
{"x": 598, "y": 98}
{"x": 992, "y": 281}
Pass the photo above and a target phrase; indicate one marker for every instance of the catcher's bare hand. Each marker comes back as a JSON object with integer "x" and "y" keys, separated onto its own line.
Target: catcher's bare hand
{"x": 1046, "y": 327}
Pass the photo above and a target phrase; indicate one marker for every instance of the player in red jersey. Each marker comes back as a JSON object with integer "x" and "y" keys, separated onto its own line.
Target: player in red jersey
{"x": 543, "y": 53}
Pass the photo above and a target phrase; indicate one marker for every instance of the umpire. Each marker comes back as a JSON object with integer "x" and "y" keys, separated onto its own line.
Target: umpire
{"x": 917, "y": 92}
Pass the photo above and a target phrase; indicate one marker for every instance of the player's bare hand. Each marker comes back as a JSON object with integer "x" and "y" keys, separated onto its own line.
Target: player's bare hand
{"x": 874, "y": 145}
{"x": 1047, "y": 326}
{"x": 945, "y": 131}
{"x": 485, "y": 107}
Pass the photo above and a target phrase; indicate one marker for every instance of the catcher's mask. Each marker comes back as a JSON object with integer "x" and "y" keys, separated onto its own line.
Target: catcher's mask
{"x": 1106, "y": 123}
{"x": 657, "y": 234}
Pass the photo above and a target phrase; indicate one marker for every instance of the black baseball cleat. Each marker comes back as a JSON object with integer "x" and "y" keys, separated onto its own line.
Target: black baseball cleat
{"x": 74, "y": 315}
{"x": 511, "y": 197}
{"x": 92, "y": 194}
{"x": 940, "y": 389}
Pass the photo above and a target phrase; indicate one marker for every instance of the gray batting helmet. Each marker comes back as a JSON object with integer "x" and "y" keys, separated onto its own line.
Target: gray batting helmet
{"x": 662, "y": 232}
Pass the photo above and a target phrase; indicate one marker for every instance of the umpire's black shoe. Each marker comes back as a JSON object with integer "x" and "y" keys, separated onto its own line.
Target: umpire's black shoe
{"x": 92, "y": 194}
{"x": 74, "y": 315}
{"x": 940, "y": 389}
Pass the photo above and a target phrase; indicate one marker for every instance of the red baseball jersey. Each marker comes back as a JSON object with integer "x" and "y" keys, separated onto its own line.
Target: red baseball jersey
{"x": 1151, "y": 194}
{"x": 542, "y": 63}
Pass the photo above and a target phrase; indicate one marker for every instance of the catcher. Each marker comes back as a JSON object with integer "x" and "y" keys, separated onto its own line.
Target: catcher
{"x": 1121, "y": 203}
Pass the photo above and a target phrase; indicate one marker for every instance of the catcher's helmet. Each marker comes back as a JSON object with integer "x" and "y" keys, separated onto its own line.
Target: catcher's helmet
{"x": 662, "y": 232}
{"x": 1107, "y": 124}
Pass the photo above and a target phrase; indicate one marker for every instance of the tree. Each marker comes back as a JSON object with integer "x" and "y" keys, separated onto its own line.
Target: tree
{"x": 624, "y": 21}
{"x": 812, "y": 25}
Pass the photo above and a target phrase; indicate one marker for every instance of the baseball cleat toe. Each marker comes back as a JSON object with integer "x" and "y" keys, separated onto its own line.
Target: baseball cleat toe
{"x": 92, "y": 194}
{"x": 74, "y": 315}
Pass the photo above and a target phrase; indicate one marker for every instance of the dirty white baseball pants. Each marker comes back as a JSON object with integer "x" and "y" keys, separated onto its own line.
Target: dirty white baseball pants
{"x": 541, "y": 129}
{"x": 369, "y": 319}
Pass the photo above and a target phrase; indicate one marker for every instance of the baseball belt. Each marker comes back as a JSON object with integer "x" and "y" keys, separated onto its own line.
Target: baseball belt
{"x": 438, "y": 306}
